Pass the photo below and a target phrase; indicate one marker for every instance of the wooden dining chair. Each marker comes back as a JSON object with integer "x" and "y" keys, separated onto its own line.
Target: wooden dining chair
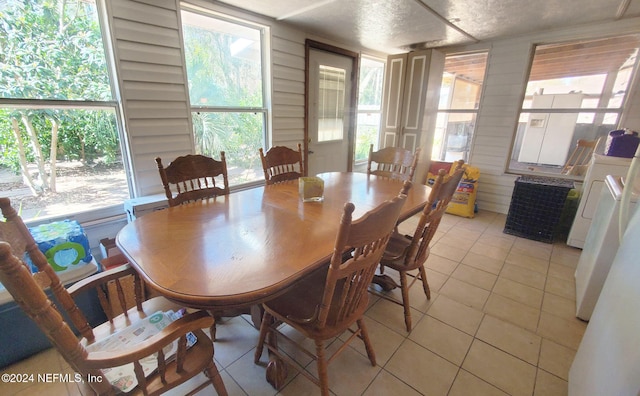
{"x": 578, "y": 161}
{"x": 406, "y": 253}
{"x": 393, "y": 162}
{"x": 85, "y": 354}
{"x": 193, "y": 177}
{"x": 329, "y": 301}
{"x": 190, "y": 178}
{"x": 281, "y": 163}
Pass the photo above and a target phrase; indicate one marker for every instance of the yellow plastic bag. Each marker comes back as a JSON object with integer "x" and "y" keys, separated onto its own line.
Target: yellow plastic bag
{"x": 464, "y": 199}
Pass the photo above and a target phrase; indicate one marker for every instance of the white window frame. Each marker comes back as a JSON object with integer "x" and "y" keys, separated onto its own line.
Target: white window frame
{"x": 360, "y": 110}
{"x": 447, "y": 110}
{"x": 265, "y": 110}
{"x": 107, "y": 212}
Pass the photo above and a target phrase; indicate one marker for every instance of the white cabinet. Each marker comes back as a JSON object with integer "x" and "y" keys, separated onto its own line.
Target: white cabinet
{"x": 548, "y": 136}
{"x": 410, "y": 102}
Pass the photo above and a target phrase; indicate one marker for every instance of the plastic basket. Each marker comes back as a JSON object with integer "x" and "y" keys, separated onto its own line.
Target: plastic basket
{"x": 536, "y": 207}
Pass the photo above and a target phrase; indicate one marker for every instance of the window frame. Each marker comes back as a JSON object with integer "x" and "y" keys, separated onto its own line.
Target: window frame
{"x": 265, "y": 110}
{"x": 115, "y": 105}
{"x": 378, "y": 111}
{"x": 474, "y": 112}
{"x": 598, "y": 111}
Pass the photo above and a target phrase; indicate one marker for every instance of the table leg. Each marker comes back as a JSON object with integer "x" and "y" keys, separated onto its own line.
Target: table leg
{"x": 277, "y": 370}
{"x": 256, "y": 312}
{"x": 215, "y": 315}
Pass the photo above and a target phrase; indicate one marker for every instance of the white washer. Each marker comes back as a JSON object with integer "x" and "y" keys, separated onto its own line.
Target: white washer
{"x": 599, "y": 168}
{"x": 600, "y": 246}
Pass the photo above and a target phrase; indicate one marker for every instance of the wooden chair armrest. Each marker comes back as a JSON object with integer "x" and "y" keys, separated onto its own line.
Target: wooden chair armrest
{"x": 93, "y": 281}
{"x": 175, "y": 330}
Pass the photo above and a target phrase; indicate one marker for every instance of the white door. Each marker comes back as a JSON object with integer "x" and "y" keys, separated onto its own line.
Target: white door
{"x": 405, "y": 101}
{"x": 329, "y": 111}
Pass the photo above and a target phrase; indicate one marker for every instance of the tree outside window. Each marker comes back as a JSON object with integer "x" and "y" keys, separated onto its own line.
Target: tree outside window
{"x": 58, "y": 124}
{"x": 369, "y": 106}
{"x": 225, "y": 73}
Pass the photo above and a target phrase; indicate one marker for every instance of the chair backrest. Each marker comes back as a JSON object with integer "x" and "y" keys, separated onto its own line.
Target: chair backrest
{"x": 17, "y": 279}
{"x": 281, "y": 163}
{"x": 345, "y": 295}
{"x": 393, "y": 162}
{"x": 579, "y": 159}
{"x": 27, "y": 290}
{"x": 16, "y": 235}
{"x": 193, "y": 177}
{"x": 441, "y": 193}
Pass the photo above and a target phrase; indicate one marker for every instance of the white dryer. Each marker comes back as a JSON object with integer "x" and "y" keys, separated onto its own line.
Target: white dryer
{"x": 600, "y": 166}
{"x": 601, "y": 245}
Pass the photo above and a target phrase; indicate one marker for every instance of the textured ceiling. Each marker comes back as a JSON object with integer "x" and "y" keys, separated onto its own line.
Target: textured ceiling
{"x": 394, "y": 26}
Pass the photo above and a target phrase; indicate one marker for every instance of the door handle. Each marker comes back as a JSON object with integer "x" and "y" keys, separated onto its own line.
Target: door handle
{"x": 310, "y": 152}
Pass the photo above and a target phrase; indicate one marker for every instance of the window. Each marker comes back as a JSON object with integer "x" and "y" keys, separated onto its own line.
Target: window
{"x": 225, "y": 61}
{"x": 331, "y": 103}
{"x": 59, "y": 123}
{"x": 459, "y": 100}
{"x": 369, "y": 106}
{"x": 575, "y": 91}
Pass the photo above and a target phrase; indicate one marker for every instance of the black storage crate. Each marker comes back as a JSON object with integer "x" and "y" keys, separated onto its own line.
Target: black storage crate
{"x": 536, "y": 207}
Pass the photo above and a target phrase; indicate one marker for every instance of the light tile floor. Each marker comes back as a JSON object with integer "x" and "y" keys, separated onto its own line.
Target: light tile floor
{"x": 500, "y": 322}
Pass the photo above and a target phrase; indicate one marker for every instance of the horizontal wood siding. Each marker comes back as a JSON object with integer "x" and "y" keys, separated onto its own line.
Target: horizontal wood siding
{"x": 150, "y": 65}
{"x": 153, "y": 87}
{"x": 288, "y": 84}
{"x": 497, "y": 116}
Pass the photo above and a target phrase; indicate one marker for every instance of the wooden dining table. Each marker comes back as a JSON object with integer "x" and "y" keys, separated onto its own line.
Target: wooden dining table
{"x": 244, "y": 248}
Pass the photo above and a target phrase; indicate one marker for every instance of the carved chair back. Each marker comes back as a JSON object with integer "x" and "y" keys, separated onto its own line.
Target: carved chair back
{"x": 281, "y": 163}
{"x": 193, "y": 177}
{"x": 393, "y": 162}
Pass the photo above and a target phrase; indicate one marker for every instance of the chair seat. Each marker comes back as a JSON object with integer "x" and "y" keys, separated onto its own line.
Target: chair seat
{"x": 199, "y": 355}
{"x": 331, "y": 299}
{"x": 407, "y": 253}
{"x": 121, "y": 321}
{"x": 394, "y": 255}
{"x": 300, "y": 303}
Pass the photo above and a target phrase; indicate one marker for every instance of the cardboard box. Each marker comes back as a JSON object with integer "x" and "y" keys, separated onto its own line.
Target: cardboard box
{"x": 108, "y": 248}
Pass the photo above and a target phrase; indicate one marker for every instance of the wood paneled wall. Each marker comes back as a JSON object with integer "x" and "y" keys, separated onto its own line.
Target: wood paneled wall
{"x": 149, "y": 59}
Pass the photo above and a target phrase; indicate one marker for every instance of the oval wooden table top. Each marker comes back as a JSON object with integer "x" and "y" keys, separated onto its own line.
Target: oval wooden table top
{"x": 246, "y": 247}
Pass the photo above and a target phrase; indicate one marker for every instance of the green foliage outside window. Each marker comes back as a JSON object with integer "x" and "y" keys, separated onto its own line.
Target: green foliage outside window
{"x": 52, "y": 50}
{"x": 224, "y": 68}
